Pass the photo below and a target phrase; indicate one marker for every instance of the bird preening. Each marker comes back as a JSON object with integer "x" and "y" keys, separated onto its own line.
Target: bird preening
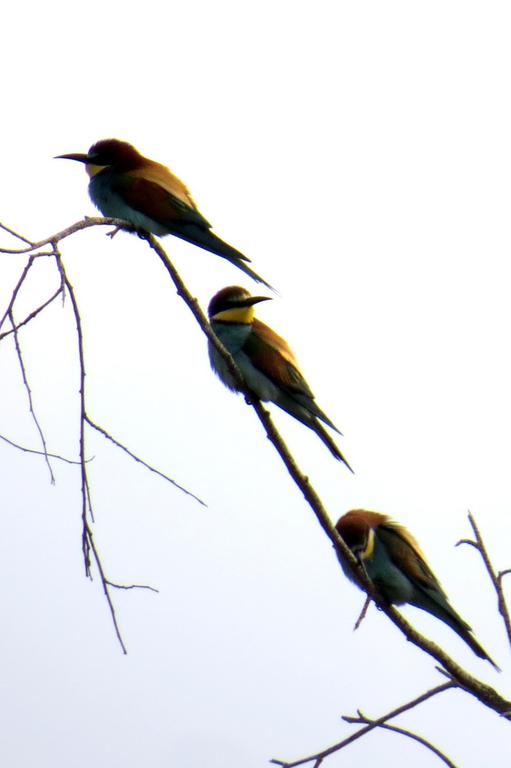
{"x": 126, "y": 185}
{"x": 397, "y": 568}
{"x": 265, "y": 361}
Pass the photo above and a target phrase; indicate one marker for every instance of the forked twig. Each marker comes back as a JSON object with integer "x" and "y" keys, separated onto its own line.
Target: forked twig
{"x": 33, "y": 314}
{"x": 320, "y": 756}
{"x": 16, "y": 290}
{"x": 362, "y": 719}
{"x": 495, "y": 578}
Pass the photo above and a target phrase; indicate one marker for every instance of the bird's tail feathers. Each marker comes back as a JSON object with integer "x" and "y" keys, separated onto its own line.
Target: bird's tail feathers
{"x": 303, "y": 408}
{"x": 330, "y": 444}
{"x": 248, "y": 271}
{"x": 207, "y": 240}
{"x": 478, "y": 649}
{"x": 446, "y": 613}
{"x": 310, "y": 406}
{"x": 463, "y": 630}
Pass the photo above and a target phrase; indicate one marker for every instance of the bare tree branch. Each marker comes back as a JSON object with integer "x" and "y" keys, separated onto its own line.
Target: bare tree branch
{"x": 495, "y": 578}
{"x": 51, "y": 248}
{"x": 320, "y": 756}
{"x": 52, "y": 240}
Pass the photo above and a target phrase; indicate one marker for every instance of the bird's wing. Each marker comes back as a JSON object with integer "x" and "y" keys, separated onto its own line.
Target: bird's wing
{"x": 163, "y": 177}
{"x": 271, "y": 354}
{"x": 161, "y": 196}
{"x": 407, "y": 555}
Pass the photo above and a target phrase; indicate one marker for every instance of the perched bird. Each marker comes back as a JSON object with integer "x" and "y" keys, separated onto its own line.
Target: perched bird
{"x": 394, "y": 563}
{"x": 125, "y": 185}
{"x": 264, "y": 359}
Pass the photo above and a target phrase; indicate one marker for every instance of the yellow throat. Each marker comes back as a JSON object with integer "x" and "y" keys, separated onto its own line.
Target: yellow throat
{"x": 92, "y": 170}
{"x": 236, "y": 315}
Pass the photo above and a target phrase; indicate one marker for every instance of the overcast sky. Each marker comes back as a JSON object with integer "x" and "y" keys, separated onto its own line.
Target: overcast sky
{"x": 359, "y": 153}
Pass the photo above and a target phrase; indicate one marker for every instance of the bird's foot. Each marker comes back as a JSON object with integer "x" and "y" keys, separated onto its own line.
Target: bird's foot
{"x": 113, "y": 233}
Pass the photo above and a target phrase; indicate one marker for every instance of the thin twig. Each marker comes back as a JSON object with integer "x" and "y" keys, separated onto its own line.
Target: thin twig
{"x": 362, "y": 719}
{"x": 366, "y": 729}
{"x": 15, "y": 234}
{"x": 22, "y": 278}
{"x": 38, "y": 453}
{"x": 106, "y": 584}
{"x": 108, "y": 436}
{"x": 86, "y": 499}
{"x": 495, "y": 578}
{"x": 367, "y": 603}
{"x": 33, "y": 314}
{"x": 88, "y": 542}
{"x": 29, "y": 395}
{"x": 131, "y": 586}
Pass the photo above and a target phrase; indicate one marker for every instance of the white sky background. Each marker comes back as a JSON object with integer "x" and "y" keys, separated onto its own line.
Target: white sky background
{"x": 359, "y": 153}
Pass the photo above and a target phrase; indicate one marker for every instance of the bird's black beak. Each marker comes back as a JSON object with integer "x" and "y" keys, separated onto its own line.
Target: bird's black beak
{"x": 78, "y": 156}
{"x": 251, "y": 300}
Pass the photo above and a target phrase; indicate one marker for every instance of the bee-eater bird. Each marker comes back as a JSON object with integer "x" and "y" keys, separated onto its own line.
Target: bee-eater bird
{"x": 125, "y": 185}
{"x": 395, "y": 564}
{"x": 266, "y": 363}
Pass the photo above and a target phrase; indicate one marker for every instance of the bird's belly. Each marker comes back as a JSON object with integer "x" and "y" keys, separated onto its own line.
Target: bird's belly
{"x": 257, "y": 382}
{"x": 392, "y": 584}
{"x": 111, "y": 204}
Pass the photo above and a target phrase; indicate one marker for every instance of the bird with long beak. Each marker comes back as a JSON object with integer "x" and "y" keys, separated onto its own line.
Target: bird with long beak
{"x": 395, "y": 564}
{"x": 265, "y": 361}
{"x": 126, "y": 185}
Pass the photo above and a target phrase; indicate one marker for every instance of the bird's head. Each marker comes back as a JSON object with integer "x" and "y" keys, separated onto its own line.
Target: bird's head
{"x": 234, "y": 305}
{"x": 358, "y": 529}
{"x": 108, "y": 153}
